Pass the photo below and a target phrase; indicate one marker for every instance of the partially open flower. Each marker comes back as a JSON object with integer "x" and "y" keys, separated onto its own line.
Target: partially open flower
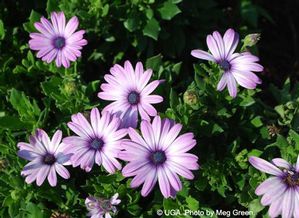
{"x": 281, "y": 191}
{"x": 100, "y": 207}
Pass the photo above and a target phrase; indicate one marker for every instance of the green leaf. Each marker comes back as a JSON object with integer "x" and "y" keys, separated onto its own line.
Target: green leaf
{"x": 34, "y": 17}
{"x": 152, "y": 29}
{"x": 52, "y": 5}
{"x": 131, "y": 24}
{"x": 255, "y": 206}
{"x": 2, "y": 30}
{"x": 13, "y": 123}
{"x": 154, "y": 62}
{"x": 193, "y": 204}
{"x": 34, "y": 211}
{"x": 28, "y": 111}
{"x": 257, "y": 122}
{"x": 169, "y": 10}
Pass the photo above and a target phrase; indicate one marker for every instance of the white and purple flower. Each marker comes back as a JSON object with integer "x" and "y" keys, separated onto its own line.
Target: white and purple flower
{"x": 57, "y": 40}
{"x": 160, "y": 154}
{"x": 46, "y": 158}
{"x": 98, "y": 141}
{"x": 281, "y": 191}
{"x": 131, "y": 93}
{"x": 99, "y": 207}
{"x": 237, "y": 67}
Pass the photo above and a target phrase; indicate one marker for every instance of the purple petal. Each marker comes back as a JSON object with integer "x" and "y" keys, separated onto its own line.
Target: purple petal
{"x": 183, "y": 143}
{"x": 42, "y": 174}
{"x": 149, "y": 182}
{"x": 71, "y": 26}
{"x": 222, "y": 83}
{"x": 150, "y": 88}
{"x": 153, "y": 99}
{"x": 135, "y": 137}
{"x": 212, "y": 45}
{"x": 297, "y": 164}
{"x": 27, "y": 155}
{"x": 231, "y": 85}
{"x": 244, "y": 80}
{"x": 296, "y": 203}
{"x": 173, "y": 179}
{"x": 147, "y": 133}
{"x": 231, "y": 40}
{"x": 267, "y": 184}
{"x": 140, "y": 177}
{"x": 273, "y": 194}
{"x": 56, "y": 139}
{"x": 220, "y": 44}
{"x": 282, "y": 163}
{"x": 52, "y": 177}
{"x": 62, "y": 171}
{"x": 276, "y": 207}
{"x": 163, "y": 183}
{"x": 202, "y": 55}
{"x": 180, "y": 169}
{"x": 288, "y": 204}
{"x": 265, "y": 166}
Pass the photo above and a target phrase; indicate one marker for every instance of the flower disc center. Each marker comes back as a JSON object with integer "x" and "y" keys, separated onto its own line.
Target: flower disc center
{"x": 158, "y": 157}
{"x": 97, "y": 144}
{"x": 49, "y": 159}
{"x": 292, "y": 178}
{"x": 133, "y": 98}
{"x": 59, "y": 42}
{"x": 225, "y": 65}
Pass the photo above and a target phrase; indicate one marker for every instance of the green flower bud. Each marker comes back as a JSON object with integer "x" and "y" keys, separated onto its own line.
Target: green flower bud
{"x": 251, "y": 39}
{"x": 191, "y": 97}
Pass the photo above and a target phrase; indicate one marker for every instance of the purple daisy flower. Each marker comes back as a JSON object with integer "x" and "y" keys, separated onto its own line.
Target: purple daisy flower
{"x": 46, "y": 158}
{"x": 281, "y": 191}
{"x": 98, "y": 207}
{"x": 99, "y": 142}
{"x": 57, "y": 40}
{"x": 130, "y": 91}
{"x": 237, "y": 67}
{"x": 159, "y": 155}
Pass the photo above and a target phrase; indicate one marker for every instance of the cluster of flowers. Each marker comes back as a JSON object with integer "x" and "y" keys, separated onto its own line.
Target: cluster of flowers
{"x": 159, "y": 153}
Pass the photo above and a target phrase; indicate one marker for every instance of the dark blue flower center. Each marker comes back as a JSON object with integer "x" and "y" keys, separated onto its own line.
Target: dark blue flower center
{"x": 133, "y": 98}
{"x": 292, "y": 178}
{"x": 225, "y": 65}
{"x": 97, "y": 144}
{"x": 59, "y": 42}
{"x": 49, "y": 159}
{"x": 158, "y": 157}
{"x": 106, "y": 205}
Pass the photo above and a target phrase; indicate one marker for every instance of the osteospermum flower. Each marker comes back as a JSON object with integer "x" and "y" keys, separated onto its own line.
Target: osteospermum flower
{"x": 281, "y": 191}
{"x": 46, "y": 158}
{"x": 237, "y": 67}
{"x": 97, "y": 142}
{"x": 98, "y": 207}
{"x": 57, "y": 40}
{"x": 131, "y": 93}
{"x": 159, "y": 155}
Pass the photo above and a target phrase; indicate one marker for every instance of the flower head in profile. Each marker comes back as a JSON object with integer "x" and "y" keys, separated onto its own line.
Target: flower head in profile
{"x": 57, "y": 40}
{"x": 98, "y": 207}
{"x": 97, "y": 141}
{"x": 237, "y": 67}
{"x": 46, "y": 158}
{"x": 131, "y": 93}
{"x": 281, "y": 191}
{"x": 159, "y": 155}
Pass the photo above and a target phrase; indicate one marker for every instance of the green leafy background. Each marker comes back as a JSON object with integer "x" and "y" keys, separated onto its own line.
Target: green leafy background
{"x": 161, "y": 34}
